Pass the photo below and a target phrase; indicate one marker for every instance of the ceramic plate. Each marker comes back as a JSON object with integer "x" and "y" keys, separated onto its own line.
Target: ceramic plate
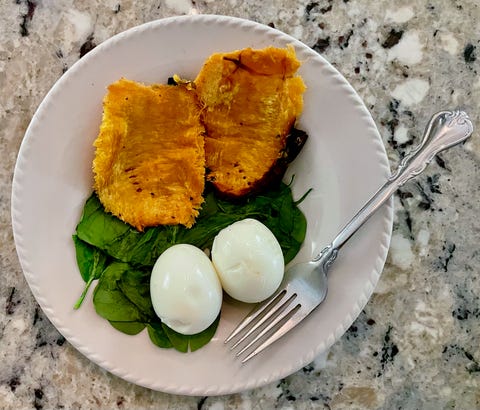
{"x": 344, "y": 162}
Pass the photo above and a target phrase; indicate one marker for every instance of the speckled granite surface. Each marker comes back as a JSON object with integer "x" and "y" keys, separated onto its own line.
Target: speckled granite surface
{"x": 416, "y": 344}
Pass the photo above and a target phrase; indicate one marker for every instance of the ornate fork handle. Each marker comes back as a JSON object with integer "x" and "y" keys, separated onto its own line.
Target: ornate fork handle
{"x": 305, "y": 284}
{"x": 445, "y": 129}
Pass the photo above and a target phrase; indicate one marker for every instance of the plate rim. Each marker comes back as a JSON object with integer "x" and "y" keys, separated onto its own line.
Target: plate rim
{"x": 213, "y": 390}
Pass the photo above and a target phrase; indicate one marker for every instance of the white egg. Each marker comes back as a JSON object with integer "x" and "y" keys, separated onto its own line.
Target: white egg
{"x": 185, "y": 291}
{"x": 248, "y": 260}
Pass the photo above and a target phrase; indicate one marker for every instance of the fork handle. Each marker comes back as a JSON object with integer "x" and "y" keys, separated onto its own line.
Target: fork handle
{"x": 444, "y": 130}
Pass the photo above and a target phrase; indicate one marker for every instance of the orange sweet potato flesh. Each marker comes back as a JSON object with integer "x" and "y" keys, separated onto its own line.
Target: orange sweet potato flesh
{"x": 251, "y": 99}
{"x": 149, "y": 165}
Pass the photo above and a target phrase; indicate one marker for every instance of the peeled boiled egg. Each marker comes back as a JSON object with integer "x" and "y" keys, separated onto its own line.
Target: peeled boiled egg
{"x": 248, "y": 260}
{"x": 185, "y": 290}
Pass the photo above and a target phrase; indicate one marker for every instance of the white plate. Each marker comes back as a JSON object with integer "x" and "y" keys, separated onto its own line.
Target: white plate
{"x": 344, "y": 161}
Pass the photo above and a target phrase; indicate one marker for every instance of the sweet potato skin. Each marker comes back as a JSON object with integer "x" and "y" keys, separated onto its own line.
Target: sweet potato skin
{"x": 295, "y": 141}
{"x": 251, "y": 99}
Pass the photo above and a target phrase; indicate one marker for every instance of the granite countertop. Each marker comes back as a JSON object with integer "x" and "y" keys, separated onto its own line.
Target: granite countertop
{"x": 415, "y": 345}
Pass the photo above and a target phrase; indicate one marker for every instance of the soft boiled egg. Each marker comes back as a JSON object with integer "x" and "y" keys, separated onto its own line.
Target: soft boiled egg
{"x": 185, "y": 291}
{"x": 249, "y": 260}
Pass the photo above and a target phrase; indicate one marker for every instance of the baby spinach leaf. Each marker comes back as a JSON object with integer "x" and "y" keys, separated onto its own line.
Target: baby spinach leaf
{"x": 120, "y": 240}
{"x": 115, "y": 237}
{"x": 299, "y": 228}
{"x": 91, "y": 262}
{"x": 184, "y": 343}
{"x": 178, "y": 341}
{"x": 129, "y": 328}
{"x": 157, "y": 335}
{"x": 201, "y": 339}
{"x": 98, "y": 227}
{"x": 109, "y": 300}
{"x": 135, "y": 285}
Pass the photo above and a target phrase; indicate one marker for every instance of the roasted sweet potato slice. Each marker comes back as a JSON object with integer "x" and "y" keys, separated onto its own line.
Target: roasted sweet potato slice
{"x": 251, "y": 99}
{"x": 149, "y": 165}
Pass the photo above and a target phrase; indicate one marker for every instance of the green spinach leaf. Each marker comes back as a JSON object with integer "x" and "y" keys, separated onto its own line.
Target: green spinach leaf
{"x": 135, "y": 285}
{"x": 129, "y": 328}
{"x": 91, "y": 262}
{"x": 201, "y": 339}
{"x": 109, "y": 300}
{"x": 178, "y": 341}
{"x": 118, "y": 239}
{"x": 158, "y": 336}
{"x": 183, "y": 343}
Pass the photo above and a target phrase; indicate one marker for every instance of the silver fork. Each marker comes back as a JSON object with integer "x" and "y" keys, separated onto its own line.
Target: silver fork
{"x": 304, "y": 286}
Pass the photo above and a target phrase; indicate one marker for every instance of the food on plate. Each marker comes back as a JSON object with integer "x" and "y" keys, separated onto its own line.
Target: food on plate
{"x": 142, "y": 231}
{"x": 185, "y": 291}
{"x": 119, "y": 259}
{"x": 251, "y": 100}
{"x": 249, "y": 260}
{"x": 149, "y": 165}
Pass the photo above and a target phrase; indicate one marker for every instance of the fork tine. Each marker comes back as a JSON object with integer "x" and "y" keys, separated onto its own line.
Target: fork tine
{"x": 271, "y": 329}
{"x": 278, "y": 332}
{"x": 257, "y": 314}
{"x": 274, "y": 312}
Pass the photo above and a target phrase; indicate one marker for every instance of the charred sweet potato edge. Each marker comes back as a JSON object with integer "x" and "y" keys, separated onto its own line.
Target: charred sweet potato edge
{"x": 294, "y": 142}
